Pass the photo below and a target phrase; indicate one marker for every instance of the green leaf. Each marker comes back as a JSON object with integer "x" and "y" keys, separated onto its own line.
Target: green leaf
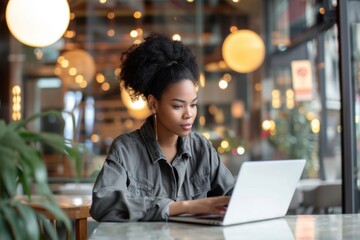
{"x": 52, "y": 207}
{"x": 29, "y": 216}
{"x": 21, "y": 162}
{"x": 4, "y": 230}
{"x": 14, "y": 221}
{"x": 8, "y": 171}
{"x": 47, "y": 226}
{"x": 3, "y": 128}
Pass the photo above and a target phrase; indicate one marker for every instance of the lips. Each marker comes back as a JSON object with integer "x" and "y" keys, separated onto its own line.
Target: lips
{"x": 186, "y": 126}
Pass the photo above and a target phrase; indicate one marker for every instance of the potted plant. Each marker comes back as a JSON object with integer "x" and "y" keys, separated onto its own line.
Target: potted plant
{"x": 22, "y": 165}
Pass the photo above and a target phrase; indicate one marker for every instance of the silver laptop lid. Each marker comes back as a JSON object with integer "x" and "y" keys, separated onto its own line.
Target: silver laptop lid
{"x": 263, "y": 190}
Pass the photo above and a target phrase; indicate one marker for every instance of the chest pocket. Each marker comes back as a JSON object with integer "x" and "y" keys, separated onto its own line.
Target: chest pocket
{"x": 140, "y": 188}
{"x": 200, "y": 186}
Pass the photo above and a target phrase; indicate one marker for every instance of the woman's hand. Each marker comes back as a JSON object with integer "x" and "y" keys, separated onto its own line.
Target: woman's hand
{"x": 211, "y": 205}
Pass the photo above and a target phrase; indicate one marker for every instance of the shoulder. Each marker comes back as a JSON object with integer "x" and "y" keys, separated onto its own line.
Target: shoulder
{"x": 200, "y": 141}
{"x": 125, "y": 143}
{"x": 127, "y": 138}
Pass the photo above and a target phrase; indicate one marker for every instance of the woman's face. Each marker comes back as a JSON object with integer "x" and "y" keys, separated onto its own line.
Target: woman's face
{"x": 177, "y": 109}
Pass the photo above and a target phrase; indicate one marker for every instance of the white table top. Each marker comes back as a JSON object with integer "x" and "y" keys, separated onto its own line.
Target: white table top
{"x": 309, "y": 227}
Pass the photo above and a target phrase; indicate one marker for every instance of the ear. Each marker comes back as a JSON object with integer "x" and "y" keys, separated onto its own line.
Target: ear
{"x": 152, "y": 101}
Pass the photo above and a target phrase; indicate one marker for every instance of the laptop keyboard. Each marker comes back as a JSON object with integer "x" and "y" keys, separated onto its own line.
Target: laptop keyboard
{"x": 212, "y": 217}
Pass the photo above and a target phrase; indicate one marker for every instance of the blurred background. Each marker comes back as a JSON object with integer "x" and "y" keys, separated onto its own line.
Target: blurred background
{"x": 272, "y": 85}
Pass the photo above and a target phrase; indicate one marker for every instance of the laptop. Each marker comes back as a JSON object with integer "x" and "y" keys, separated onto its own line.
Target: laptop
{"x": 263, "y": 190}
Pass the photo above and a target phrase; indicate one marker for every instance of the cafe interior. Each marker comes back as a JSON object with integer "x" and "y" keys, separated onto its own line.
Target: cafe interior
{"x": 279, "y": 80}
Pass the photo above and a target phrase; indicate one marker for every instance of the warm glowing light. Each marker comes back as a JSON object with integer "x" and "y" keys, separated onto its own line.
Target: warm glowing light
{"x": 100, "y": 78}
{"x": 129, "y": 123}
{"x": 223, "y": 84}
{"x": 133, "y": 33}
{"x": 266, "y": 125}
{"x": 69, "y": 34}
{"x": 222, "y": 65}
{"x": 72, "y": 71}
{"x": 315, "y": 125}
{"x": 94, "y": 138}
{"x": 105, "y": 86}
{"x": 137, "y": 41}
{"x": 83, "y": 84}
{"x": 137, "y": 109}
{"x": 224, "y": 144}
{"x": 258, "y": 87}
{"x": 176, "y": 37}
{"x": 37, "y": 23}
{"x": 111, "y": 32}
{"x": 16, "y": 90}
{"x": 140, "y": 31}
{"x": 202, "y": 80}
{"x": 290, "y": 99}
{"x": 84, "y": 64}
{"x": 220, "y": 150}
{"x": 139, "y": 114}
{"x": 79, "y": 79}
{"x": 206, "y": 135}
{"x": 64, "y": 63}
{"x": 16, "y": 103}
{"x": 110, "y": 15}
{"x": 213, "y": 109}
{"x": 310, "y": 116}
{"x": 243, "y": 51}
{"x": 72, "y": 16}
{"x": 137, "y": 14}
{"x": 117, "y": 71}
{"x": 227, "y": 77}
{"x": 276, "y": 98}
{"x": 202, "y": 121}
{"x": 237, "y": 109}
{"x": 233, "y": 29}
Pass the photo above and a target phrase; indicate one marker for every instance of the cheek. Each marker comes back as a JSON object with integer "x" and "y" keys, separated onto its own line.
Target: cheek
{"x": 169, "y": 115}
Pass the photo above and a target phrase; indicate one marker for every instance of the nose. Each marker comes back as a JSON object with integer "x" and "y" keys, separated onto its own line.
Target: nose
{"x": 188, "y": 113}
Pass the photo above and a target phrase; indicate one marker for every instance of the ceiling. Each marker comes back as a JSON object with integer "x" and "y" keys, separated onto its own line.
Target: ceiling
{"x": 104, "y": 37}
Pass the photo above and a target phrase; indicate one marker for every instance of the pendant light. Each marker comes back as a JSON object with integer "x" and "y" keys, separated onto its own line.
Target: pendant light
{"x": 37, "y": 23}
{"x": 243, "y": 51}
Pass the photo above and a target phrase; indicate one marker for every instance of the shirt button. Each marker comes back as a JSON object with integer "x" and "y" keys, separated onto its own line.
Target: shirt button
{"x": 148, "y": 194}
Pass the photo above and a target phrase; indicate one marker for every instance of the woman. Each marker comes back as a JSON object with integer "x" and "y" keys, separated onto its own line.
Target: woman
{"x": 162, "y": 169}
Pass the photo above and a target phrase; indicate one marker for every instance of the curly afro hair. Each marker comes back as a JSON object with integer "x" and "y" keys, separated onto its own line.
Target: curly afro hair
{"x": 148, "y": 68}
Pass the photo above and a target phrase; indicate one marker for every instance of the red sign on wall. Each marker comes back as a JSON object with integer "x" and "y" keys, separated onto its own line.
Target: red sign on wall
{"x": 301, "y": 72}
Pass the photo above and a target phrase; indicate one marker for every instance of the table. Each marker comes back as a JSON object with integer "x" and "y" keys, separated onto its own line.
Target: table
{"x": 309, "y": 227}
{"x": 76, "y": 207}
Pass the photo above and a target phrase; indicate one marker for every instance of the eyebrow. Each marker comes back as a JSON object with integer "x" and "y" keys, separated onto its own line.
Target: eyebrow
{"x": 183, "y": 101}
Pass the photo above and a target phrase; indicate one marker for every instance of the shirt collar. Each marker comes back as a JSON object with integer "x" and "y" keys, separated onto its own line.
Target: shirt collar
{"x": 153, "y": 147}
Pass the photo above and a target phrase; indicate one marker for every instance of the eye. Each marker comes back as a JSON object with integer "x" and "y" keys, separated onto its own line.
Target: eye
{"x": 177, "y": 106}
{"x": 194, "y": 105}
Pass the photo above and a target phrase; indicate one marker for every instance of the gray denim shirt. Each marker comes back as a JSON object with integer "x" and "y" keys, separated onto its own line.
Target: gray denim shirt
{"x": 136, "y": 183}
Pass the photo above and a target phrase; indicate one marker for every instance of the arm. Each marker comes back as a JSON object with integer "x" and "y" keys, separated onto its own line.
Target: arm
{"x": 112, "y": 201}
{"x": 220, "y": 182}
{"x": 212, "y": 205}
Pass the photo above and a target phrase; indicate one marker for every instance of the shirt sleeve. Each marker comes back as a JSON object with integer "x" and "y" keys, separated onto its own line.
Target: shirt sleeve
{"x": 112, "y": 201}
{"x": 222, "y": 179}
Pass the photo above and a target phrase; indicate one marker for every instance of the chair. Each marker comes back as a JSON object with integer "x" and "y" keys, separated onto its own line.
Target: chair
{"x": 324, "y": 198}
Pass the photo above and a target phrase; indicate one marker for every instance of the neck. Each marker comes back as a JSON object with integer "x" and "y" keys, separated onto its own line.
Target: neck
{"x": 167, "y": 141}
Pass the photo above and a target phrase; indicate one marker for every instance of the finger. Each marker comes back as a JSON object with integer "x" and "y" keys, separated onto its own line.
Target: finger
{"x": 222, "y": 201}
